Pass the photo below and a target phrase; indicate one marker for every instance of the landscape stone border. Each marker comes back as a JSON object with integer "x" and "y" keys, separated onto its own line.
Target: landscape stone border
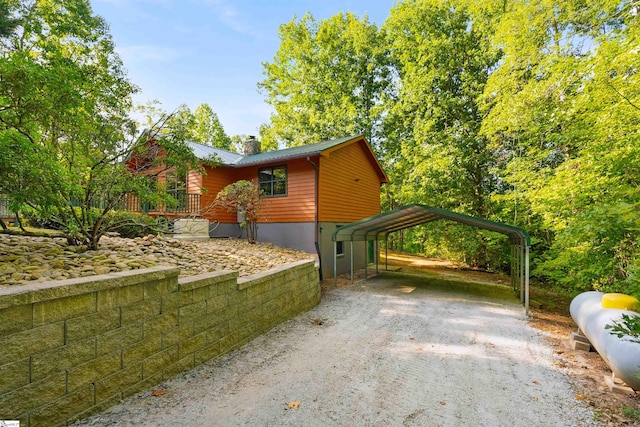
{"x": 75, "y": 347}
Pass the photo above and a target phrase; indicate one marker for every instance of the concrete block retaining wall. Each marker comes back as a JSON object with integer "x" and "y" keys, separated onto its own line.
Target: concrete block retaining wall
{"x": 74, "y": 347}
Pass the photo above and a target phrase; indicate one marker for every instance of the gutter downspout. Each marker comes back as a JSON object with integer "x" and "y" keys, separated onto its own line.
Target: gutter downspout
{"x": 316, "y": 225}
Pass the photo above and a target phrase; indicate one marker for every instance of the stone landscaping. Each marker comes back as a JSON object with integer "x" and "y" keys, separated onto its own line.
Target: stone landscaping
{"x": 39, "y": 259}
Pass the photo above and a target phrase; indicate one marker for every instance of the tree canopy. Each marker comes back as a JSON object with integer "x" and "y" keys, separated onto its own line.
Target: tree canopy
{"x": 65, "y": 130}
{"x": 327, "y": 80}
{"x": 521, "y": 112}
{"x": 202, "y": 125}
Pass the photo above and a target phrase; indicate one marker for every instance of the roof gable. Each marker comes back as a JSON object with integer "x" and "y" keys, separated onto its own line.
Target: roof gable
{"x": 293, "y": 152}
{"x": 318, "y": 149}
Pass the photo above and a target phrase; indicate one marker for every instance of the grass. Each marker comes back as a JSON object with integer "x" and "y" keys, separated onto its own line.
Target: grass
{"x": 550, "y": 300}
{"x": 631, "y": 413}
{"x": 457, "y": 285}
{"x": 33, "y": 232}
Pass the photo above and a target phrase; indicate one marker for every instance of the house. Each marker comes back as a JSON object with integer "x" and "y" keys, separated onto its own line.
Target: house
{"x": 308, "y": 191}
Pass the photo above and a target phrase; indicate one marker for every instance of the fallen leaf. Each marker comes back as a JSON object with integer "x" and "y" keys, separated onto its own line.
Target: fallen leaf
{"x": 157, "y": 393}
{"x": 442, "y": 402}
{"x": 536, "y": 382}
{"x": 294, "y": 405}
{"x": 579, "y": 397}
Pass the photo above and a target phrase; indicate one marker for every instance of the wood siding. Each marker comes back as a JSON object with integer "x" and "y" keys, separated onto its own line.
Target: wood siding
{"x": 349, "y": 185}
{"x": 299, "y": 203}
{"x": 194, "y": 182}
{"x": 213, "y": 181}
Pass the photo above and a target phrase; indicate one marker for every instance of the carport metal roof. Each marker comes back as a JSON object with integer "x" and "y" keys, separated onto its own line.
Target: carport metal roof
{"x": 379, "y": 227}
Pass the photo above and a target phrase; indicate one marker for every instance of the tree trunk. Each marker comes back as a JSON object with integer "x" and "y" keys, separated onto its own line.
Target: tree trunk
{"x": 20, "y": 222}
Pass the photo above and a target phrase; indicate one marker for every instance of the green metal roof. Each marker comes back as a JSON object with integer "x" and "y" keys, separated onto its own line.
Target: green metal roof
{"x": 379, "y": 226}
{"x": 293, "y": 152}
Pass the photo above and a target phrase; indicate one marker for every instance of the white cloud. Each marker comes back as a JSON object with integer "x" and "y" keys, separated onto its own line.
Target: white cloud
{"x": 229, "y": 16}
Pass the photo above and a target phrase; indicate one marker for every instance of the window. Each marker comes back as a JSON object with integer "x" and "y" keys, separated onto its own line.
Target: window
{"x": 177, "y": 188}
{"x": 339, "y": 245}
{"x": 153, "y": 189}
{"x": 273, "y": 181}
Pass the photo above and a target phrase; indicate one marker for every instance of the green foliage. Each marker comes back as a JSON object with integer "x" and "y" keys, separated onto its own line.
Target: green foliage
{"x": 208, "y": 129}
{"x": 631, "y": 413}
{"x": 242, "y": 197}
{"x": 327, "y": 80}
{"x": 130, "y": 225}
{"x": 65, "y": 133}
{"x": 7, "y": 23}
{"x": 39, "y": 219}
{"x": 534, "y": 125}
{"x": 127, "y": 224}
{"x": 201, "y": 126}
{"x": 628, "y": 327}
{"x": 562, "y": 113}
{"x": 443, "y": 62}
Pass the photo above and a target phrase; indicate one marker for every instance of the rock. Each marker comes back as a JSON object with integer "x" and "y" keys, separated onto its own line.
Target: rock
{"x": 57, "y": 263}
{"x": 50, "y": 259}
{"x": 102, "y": 270}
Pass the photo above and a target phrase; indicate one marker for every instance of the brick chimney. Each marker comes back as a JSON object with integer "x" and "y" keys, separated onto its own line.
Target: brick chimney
{"x": 251, "y": 146}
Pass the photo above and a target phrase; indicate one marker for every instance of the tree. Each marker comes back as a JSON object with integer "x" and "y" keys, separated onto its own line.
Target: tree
{"x": 327, "y": 80}
{"x": 242, "y": 197}
{"x": 443, "y": 59}
{"x": 64, "y": 127}
{"x": 7, "y": 22}
{"x": 201, "y": 126}
{"x": 564, "y": 113}
{"x": 207, "y": 128}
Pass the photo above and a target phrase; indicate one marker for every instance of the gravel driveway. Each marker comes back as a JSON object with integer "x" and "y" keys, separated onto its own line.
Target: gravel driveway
{"x": 391, "y": 351}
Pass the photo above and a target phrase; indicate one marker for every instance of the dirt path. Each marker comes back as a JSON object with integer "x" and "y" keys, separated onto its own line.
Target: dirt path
{"x": 391, "y": 351}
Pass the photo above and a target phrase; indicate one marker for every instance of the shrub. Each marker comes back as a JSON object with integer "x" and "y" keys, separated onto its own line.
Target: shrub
{"x": 38, "y": 219}
{"x": 130, "y": 225}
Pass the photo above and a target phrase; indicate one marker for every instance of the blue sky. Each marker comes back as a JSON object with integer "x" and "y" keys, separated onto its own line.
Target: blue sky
{"x": 211, "y": 51}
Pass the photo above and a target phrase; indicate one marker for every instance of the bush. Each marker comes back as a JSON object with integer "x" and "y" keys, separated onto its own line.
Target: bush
{"x": 130, "y": 225}
{"x": 37, "y": 219}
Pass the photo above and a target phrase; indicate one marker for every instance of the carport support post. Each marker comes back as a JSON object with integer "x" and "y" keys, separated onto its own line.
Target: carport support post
{"x": 366, "y": 256}
{"x": 352, "y": 261}
{"x": 523, "y": 248}
{"x": 512, "y": 264}
{"x": 386, "y": 252}
{"x": 526, "y": 280}
{"x": 335, "y": 263}
{"x": 517, "y": 282}
{"x": 376, "y": 254}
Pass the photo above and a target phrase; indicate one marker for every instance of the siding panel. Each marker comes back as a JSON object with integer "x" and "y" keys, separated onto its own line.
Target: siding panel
{"x": 349, "y": 185}
{"x": 214, "y": 181}
{"x": 298, "y": 204}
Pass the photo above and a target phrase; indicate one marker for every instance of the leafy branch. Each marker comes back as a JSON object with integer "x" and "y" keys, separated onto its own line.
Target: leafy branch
{"x": 628, "y": 327}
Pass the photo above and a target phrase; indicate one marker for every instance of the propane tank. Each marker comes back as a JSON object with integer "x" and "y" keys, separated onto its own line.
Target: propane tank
{"x": 620, "y": 354}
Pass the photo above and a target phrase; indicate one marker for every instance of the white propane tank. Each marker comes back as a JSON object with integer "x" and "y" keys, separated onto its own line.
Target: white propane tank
{"x": 622, "y": 355}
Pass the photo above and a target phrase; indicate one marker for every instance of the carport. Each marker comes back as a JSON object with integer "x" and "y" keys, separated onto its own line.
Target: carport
{"x": 379, "y": 227}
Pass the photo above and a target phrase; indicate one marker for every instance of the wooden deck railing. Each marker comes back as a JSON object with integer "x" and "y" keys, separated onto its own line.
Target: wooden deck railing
{"x": 187, "y": 204}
